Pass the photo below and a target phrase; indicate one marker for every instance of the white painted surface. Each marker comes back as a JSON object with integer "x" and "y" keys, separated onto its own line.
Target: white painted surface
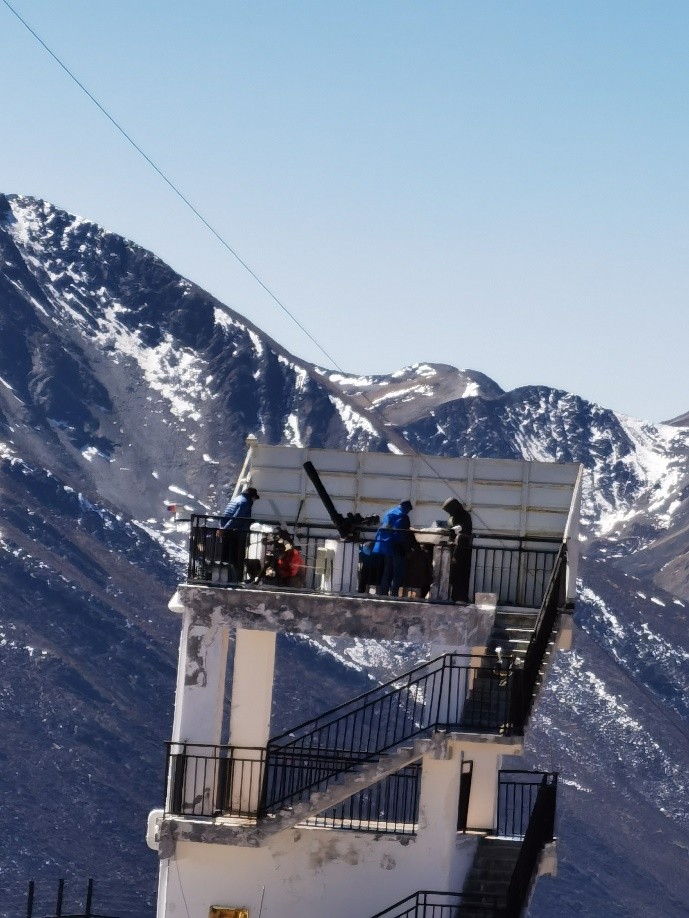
{"x": 438, "y": 806}
{"x": 252, "y": 695}
{"x": 252, "y": 687}
{"x": 200, "y": 681}
{"x": 484, "y": 784}
{"x": 314, "y": 873}
{"x": 572, "y": 538}
{"x": 310, "y": 873}
{"x": 507, "y": 496}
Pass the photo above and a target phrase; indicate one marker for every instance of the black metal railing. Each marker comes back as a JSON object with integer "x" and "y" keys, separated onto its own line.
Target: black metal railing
{"x": 235, "y": 557}
{"x": 517, "y": 569}
{"x": 517, "y": 794}
{"x": 214, "y": 780}
{"x": 540, "y": 831}
{"x": 453, "y": 692}
{"x": 526, "y": 811}
{"x": 390, "y": 806}
{"x": 435, "y": 904}
{"x": 59, "y": 909}
{"x": 529, "y": 673}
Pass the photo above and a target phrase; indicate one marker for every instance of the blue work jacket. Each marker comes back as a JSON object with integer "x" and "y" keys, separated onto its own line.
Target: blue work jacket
{"x": 237, "y": 514}
{"x": 391, "y": 538}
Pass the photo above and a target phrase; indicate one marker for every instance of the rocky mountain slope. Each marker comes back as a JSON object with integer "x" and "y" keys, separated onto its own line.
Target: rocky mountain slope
{"x": 124, "y": 387}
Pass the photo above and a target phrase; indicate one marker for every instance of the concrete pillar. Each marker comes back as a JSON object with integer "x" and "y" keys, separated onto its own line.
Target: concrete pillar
{"x": 197, "y": 724}
{"x": 484, "y": 786}
{"x": 438, "y": 807}
{"x": 252, "y": 687}
{"x": 252, "y": 697}
{"x": 201, "y": 675}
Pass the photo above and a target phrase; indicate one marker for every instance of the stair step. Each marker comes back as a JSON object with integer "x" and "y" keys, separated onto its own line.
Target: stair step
{"x": 492, "y": 875}
{"x": 487, "y": 888}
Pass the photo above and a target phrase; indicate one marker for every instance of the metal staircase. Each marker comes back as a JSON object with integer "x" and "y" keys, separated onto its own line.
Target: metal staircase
{"x": 491, "y": 874}
{"x": 453, "y": 693}
{"x": 343, "y": 785}
{"x": 505, "y": 864}
{"x": 327, "y": 759}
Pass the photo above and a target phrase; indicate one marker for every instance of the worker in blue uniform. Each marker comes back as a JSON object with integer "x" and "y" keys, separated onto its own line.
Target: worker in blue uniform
{"x": 235, "y": 523}
{"x": 391, "y": 544}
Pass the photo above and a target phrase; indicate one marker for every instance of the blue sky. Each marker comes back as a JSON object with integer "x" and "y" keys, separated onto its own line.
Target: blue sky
{"x": 501, "y": 186}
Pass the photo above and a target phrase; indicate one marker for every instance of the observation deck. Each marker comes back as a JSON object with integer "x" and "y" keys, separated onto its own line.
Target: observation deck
{"x": 417, "y": 758}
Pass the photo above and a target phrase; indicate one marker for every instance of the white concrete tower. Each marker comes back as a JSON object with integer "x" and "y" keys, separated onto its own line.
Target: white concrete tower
{"x": 394, "y": 803}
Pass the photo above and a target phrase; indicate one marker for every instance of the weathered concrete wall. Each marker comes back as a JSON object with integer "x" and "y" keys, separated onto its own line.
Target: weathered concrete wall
{"x": 336, "y": 616}
{"x": 311, "y": 873}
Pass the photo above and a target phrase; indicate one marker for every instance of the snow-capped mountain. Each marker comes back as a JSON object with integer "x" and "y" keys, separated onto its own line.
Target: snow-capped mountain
{"x": 124, "y": 387}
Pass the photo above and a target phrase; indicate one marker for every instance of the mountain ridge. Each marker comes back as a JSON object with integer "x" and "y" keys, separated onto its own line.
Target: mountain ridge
{"x": 124, "y": 387}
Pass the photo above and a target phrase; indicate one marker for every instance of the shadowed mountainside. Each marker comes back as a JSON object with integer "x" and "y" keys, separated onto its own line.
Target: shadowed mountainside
{"x": 124, "y": 387}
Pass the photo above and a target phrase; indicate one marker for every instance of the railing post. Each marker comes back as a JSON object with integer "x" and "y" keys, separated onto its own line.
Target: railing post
{"x": 192, "y": 553}
{"x": 89, "y": 899}
{"x": 540, "y": 831}
{"x": 29, "y": 903}
{"x": 516, "y": 702}
{"x": 177, "y": 777}
{"x": 552, "y": 793}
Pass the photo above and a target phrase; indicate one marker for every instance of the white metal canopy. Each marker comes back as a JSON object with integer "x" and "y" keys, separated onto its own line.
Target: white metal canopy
{"x": 510, "y": 497}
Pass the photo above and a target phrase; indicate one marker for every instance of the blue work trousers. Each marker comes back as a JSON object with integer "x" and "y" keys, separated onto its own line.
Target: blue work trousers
{"x": 392, "y": 577}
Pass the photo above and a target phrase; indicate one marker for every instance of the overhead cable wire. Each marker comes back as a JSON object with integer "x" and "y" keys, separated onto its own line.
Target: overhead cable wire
{"x": 226, "y": 245}
{"x": 168, "y": 181}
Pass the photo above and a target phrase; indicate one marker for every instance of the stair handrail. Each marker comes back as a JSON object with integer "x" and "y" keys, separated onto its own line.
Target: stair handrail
{"x": 433, "y": 696}
{"x": 540, "y": 831}
{"x": 485, "y": 902}
{"x": 391, "y": 684}
{"x": 542, "y": 633}
{"x": 515, "y": 796}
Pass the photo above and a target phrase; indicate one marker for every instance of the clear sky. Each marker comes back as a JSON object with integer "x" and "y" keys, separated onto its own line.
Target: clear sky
{"x": 501, "y": 185}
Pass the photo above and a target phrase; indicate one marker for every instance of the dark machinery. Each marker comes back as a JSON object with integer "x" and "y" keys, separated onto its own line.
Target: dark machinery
{"x": 348, "y": 526}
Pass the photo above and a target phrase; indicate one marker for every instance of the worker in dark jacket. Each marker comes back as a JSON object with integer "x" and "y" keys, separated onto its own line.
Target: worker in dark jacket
{"x": 460, "y": 562}
{"x": 370, "y": 567}
{"x": 392, "y": 544}
{"x": 235, "y": 523}
{"x": 418, "y": 575}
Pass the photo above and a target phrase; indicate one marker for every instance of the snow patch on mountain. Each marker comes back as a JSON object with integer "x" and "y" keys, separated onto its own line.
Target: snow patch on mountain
{"x": 176, "y": 373}
{"x": 292, "y": 433}
{"x": 419, "y": 369}
{"x": 586, "y": 594}
{"x": 178, "y": 550}
{"x": 354, "y": 422}
{"x": 620, "y": 737}
{"x": 301, "y": 374}
{"x": 257, "y": 343}
{"x": 351, "y": 381}
{"x": 657, "y": 462}
{"x": 405, "y": 395}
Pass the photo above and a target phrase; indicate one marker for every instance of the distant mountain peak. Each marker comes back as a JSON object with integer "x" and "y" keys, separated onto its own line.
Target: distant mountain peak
{"x": 413, "y": 392}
